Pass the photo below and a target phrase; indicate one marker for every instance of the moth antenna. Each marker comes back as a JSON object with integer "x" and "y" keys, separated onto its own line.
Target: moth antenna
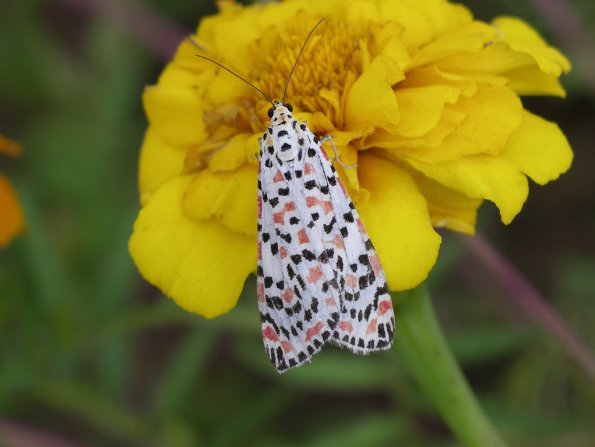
{"x": 267, "y": 97}
{"x": 298, "y": 58}
{"x": 195, "y": 43}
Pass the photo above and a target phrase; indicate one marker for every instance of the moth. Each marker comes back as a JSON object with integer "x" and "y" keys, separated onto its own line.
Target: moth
{"x": 319, "y": 279}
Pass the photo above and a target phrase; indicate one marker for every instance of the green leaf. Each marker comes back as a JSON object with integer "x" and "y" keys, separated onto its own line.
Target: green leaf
{"x": 184, "y": 372}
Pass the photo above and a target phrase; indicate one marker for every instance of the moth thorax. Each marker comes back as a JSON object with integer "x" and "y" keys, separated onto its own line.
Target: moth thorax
{"x": 287, "y": 153}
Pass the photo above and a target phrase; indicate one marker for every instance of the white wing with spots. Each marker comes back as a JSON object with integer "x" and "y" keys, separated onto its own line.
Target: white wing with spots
{"x": 319, "y": 278}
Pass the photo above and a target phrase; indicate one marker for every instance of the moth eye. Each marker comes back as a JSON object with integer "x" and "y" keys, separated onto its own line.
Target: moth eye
{"x": 289, "y": 107}
{"x": 271, "y": 111}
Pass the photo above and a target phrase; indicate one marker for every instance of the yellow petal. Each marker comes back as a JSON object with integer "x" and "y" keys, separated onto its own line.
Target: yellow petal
{"x": 539, "y": 149}
{"x": 416, "y": 26}
{"x": 421, "y": 108}
{"x": 201, "y": 265}
{"x": 449, "y": 122}
{"x": 253, "y": 149}
{"x": 482, "y": 177}
{"x": 395, "y": 49}
{"x": 493, "y": 113}
{"x": 12, "y": 222}
{"x": 423, "y": 20}
{"x": 532, "y": 81}
{"x": 228, "y": 35}
{"x": 429, "y": 76}
{"x": 159, "y": 163}
{"x": 224, "y": 88}
{"x": 179, "y": 73}
{"x": 448, "y": 208}
{"x": 468, "y": 38}
{"x": 371, "y": 101}
{"x": 397, "y": 220}
{"x": 226, "y": 197}
{"x": 524, "y": 39}
{"x": 232, "y": 155}
{"x": 494, "y": 57}
{"x": 445, "y": 16}
{"x": 176, "y": 114}
{"x": 479, "y": 124}
{"x": 360, "y": 13}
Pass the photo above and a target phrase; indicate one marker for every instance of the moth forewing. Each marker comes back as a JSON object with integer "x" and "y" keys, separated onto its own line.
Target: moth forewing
{"x": 319, "y": 278}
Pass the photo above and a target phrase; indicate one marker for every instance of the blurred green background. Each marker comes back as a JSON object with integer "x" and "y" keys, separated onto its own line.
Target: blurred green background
{"x": 90, "y": 355}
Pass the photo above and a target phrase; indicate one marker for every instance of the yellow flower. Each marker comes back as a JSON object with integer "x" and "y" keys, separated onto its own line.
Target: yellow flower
{"x": 11, "y": 216}
{"x": 421, "y": 96}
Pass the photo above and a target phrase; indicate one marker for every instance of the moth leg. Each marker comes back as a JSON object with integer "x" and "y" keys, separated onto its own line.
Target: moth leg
{"x": 337, "y": 159}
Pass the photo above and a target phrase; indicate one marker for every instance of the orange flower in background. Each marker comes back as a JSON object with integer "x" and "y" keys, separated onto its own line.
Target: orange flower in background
{"x": 425, "y": 99}
{"x": 12, "y": 222}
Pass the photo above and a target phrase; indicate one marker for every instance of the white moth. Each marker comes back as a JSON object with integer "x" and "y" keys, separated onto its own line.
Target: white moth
{"x": 319, "y": 278}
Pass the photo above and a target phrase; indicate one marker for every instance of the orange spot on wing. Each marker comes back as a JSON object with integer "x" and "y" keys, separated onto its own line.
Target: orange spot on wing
{"x": 259, "y": 250}
{"x": 278, "y": 177}
{"x": 286, "y": 346}
{"x": 327, "y": 205}
{"x": 270, "y": 334}
{"x": 372, "y": 326}
{"x": 279, "y": 218}
{"x": 330, "y": 301}
{"x": 260, "y": 291}
{"x": 313, "y": 331}
{"x": 339, "y": 243}
{"x": 314, "y": 274}
{"x": 288, "y": 295}
{"x": 303, "y": 237}
{"x": 308, "y": 168}
{"x": 282, "y": 252}
{"x": 351, "y": 281}
{"x": 376, "y": 264}
{"x": 259, "y": 207}
{"x": 360, "y": 226}
{"x": 384, "y": 307}
{"x": 345, "y": 326}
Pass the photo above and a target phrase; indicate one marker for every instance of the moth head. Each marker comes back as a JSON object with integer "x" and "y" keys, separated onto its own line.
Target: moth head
{"x": 280, "y": 112}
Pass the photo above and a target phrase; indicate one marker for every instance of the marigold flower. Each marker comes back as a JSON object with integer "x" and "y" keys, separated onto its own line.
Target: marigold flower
{"x": 421, "y": 96}
{"x": 12, "y": 222}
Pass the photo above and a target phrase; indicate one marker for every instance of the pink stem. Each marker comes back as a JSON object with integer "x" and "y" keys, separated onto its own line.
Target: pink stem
{"x": 159, "y": 35}
{"x": 18, "y": 435}
{"x": 529, "y": 299}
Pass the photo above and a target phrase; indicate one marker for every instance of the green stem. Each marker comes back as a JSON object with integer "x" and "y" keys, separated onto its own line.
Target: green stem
{"x": 422, "y": 349}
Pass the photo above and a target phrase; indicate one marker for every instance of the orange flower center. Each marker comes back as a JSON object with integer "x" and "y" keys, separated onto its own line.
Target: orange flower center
{"x": 327, "y": 67}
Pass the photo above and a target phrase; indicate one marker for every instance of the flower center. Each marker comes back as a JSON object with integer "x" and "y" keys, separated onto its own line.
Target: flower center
{"x": 329, "y": 65}
{"x": 326, "y": 68}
